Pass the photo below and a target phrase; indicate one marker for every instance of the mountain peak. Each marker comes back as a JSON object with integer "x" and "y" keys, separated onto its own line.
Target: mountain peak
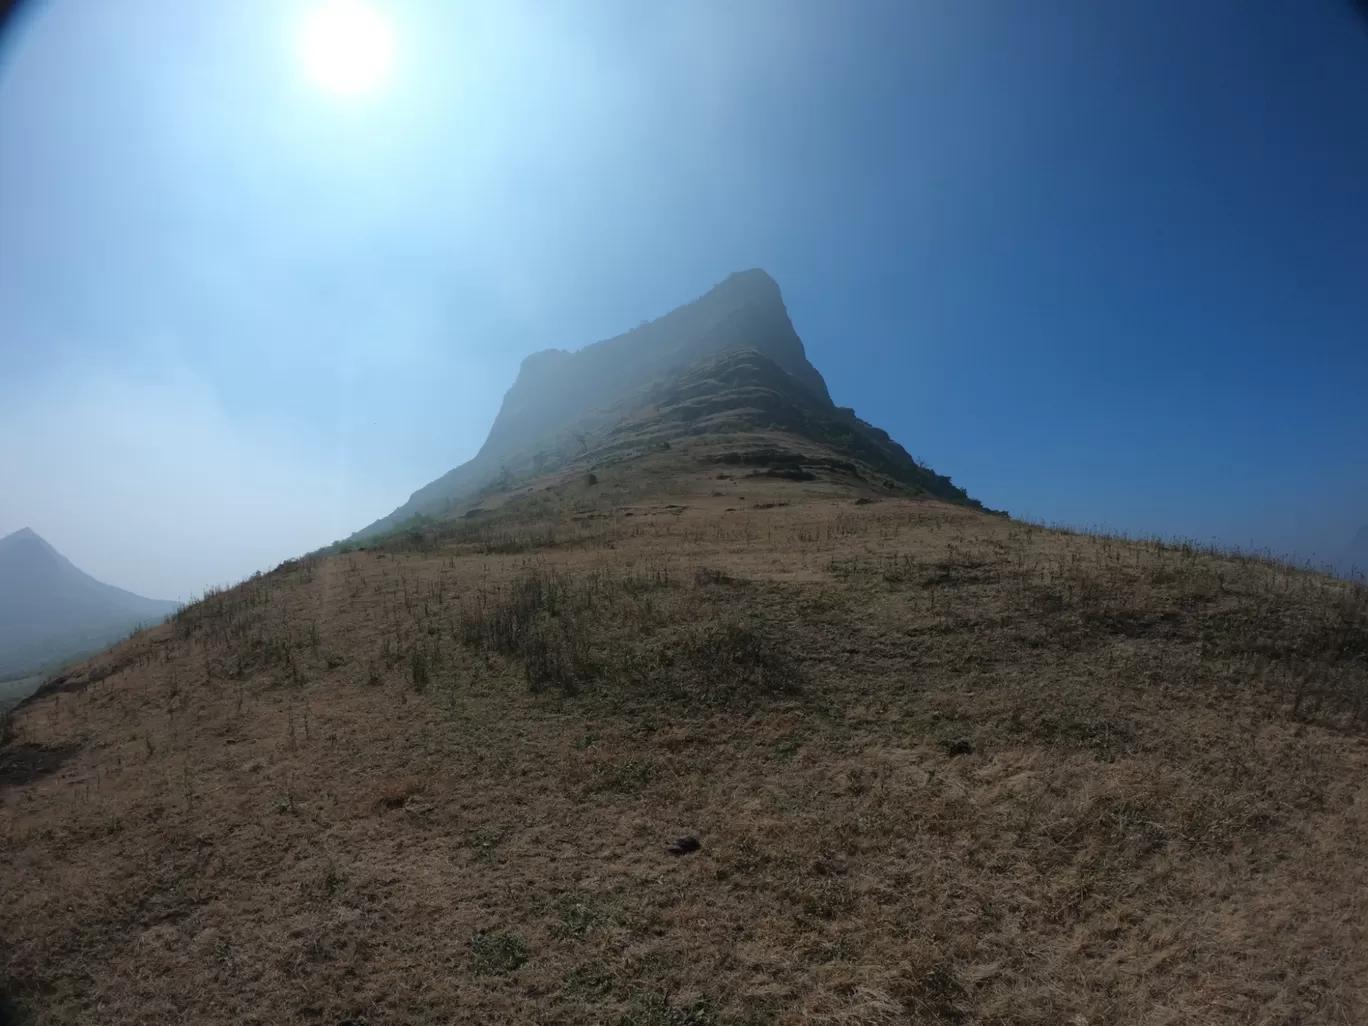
{"x": 26, "y": 539}
{"x": 745, "y": 366}
{"x": 50, "y": 609}
{"x": 756, "y": 280}
{"x": 559, "y": 391}
{"x": 751, "y": 288}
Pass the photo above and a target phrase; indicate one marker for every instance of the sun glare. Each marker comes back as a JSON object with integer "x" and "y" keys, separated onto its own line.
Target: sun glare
{"x": 346, "y": 47}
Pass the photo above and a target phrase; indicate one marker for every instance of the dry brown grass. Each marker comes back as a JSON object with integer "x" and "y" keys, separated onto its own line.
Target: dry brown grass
{"x": 946, "y": 768}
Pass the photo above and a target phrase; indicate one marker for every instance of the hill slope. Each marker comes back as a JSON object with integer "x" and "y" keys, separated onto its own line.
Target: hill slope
{"x": 683, "y": 371}
{"x": 943, "y": 768}
{"x": 50, "y": 610}
{"x": 936, "y": 766}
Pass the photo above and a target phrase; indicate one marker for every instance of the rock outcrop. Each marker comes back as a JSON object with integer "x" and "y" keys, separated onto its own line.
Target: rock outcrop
{"x": 730, "y": 358}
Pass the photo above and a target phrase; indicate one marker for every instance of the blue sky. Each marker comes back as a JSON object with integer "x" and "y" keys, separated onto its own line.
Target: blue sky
{"x": 1104, "y": 264}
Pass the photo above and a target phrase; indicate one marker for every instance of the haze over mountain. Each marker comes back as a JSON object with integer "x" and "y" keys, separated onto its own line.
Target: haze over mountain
{"x": 50, "y": 610}
{"x": 1001, "y": 229}
{"x": 793, "y": 688}
{"x": 689, "y": 697}
{"x": 728, "y": 362}
{"x": 1355, "y": 558}
{"x": 725, "y": 712}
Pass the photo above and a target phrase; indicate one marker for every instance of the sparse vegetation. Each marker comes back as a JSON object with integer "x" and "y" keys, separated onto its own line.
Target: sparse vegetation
{"x": 946, "y": 767}
{"x": 579, "y": 915}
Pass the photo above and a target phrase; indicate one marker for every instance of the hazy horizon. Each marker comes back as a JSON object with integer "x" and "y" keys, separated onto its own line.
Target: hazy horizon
{"x": 1103, "y": 267}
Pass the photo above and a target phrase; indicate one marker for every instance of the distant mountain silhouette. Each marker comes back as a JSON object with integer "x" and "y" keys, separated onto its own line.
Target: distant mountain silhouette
{"x": 51, "y": 611}
{"x": 729, "y": 361}
{"x": 1355, "y": 557}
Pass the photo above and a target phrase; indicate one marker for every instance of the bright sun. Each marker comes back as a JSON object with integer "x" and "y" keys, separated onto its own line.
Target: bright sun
{"x": 346, "y": 47}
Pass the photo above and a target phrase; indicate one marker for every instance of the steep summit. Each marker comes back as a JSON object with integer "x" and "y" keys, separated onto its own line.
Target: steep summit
{"x": 555, "y": 387}
{"x": 28, "y": 563}
{"x": 568, "y": 404}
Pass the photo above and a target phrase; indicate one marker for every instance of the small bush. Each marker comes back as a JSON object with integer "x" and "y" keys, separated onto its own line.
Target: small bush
{"x": 719, "y": 664}
{"x": 705, "y": 575}
{"x": 495, "y": 953}
{"x": 629, "y": 633}
{"x": 333, "y": 879}
{"x": 396, "y": 791}
{"x": 535, "y": 621}
{"x": 734, "y": 661}
{"x": 556, "y": 654}
{"x": 504, "y": 625}
{"x": 419, "y": 671}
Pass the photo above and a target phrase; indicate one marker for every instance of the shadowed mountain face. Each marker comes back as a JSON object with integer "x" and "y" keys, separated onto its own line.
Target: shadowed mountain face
{"x": 729, "y": 361}
{"x": 50, "y": 610}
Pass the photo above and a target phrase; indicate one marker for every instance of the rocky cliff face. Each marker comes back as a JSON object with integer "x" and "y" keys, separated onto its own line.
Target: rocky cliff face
{"x": 560, "y": 396}
{"x": 556, "y": 388}
{"x": 561, "y": 400}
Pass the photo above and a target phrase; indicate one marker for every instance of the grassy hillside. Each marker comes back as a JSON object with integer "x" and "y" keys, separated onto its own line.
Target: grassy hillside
{"x": 944, "y": 768}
